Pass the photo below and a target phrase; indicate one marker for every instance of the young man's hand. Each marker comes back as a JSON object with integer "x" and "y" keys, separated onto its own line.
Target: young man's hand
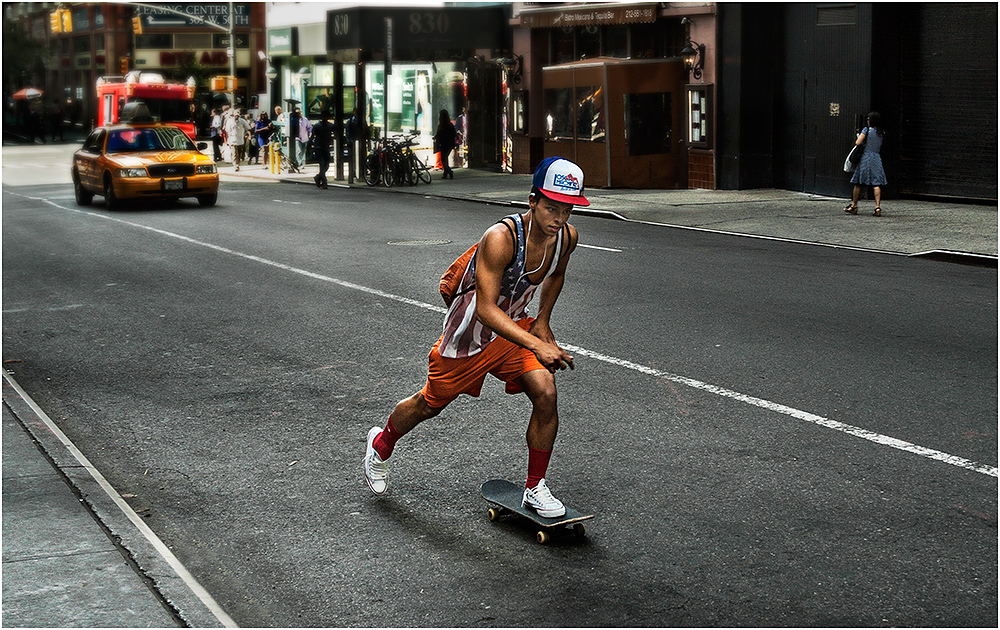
{"x": 553, "y": 357}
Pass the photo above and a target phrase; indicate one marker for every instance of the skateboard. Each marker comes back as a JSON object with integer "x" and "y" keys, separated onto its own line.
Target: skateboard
{"x": 506, "y": 498}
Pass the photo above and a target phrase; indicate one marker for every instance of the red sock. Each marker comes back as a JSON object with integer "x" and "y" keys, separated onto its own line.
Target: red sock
{"x": 386, "y": 440}
{"x": 538, "y": 463}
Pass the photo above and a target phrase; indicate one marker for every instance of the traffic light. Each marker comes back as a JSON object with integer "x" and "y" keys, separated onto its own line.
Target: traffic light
{"x": 124, "y": 61}
{"x": 55, "y": 21}
{"x": 137, "y": 25}
{"x": 222, "y": 84}
{"x": 67, "y": 20}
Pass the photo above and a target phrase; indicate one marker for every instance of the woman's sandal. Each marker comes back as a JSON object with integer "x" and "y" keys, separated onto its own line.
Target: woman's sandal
{"x": 851, "y": 209}
{"x": 877, "y": 213}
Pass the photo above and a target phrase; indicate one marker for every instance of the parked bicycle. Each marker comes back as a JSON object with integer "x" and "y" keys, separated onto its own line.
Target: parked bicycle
{"x": 392, "y": 162}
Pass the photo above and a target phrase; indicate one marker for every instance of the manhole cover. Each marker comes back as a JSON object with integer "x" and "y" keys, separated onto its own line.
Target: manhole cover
{"x": 420, "y": 242}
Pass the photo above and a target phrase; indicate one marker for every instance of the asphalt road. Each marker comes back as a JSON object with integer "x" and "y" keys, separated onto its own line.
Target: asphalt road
{"x": 769, "y": 434}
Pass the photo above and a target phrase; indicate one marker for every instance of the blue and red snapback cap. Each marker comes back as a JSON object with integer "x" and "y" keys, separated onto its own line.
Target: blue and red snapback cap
{"x": 560, "y": 180}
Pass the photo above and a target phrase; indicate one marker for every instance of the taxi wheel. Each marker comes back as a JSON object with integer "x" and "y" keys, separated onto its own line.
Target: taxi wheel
{"x": 208, "y": 200}
{"x": 110, "y": 199}
{"x": 83, "y": 197}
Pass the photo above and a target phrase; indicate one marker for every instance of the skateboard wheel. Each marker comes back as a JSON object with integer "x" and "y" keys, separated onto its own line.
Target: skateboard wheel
{"x": 493, "y": 514}
{"x": 543, "y": 537}
{"x": 579, "y": 530}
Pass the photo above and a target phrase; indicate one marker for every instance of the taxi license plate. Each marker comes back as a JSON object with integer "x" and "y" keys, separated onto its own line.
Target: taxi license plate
{"x": 173, "y": 184}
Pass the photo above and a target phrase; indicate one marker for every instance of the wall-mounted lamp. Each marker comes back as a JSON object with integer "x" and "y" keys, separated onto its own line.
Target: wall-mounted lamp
{"x": 694, "y": 56}
{"x": 515, "y": 66}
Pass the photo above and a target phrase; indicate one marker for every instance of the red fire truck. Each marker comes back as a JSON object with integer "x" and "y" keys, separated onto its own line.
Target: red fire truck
{"x": 167, "y": 102}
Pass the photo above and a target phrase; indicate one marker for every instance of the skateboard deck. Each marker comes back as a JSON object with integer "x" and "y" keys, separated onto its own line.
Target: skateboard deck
{"x": 506, "y": 498}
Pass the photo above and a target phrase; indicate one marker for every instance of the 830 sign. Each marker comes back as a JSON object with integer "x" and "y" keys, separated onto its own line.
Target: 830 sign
{"x": 429, "y": 23}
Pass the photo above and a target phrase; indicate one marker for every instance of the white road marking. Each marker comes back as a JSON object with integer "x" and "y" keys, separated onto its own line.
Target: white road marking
{"x": 798, "y": 414}
{"x": 603, "y": 249}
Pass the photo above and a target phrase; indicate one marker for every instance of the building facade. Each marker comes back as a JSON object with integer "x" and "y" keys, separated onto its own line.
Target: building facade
{"x": 399, "y": 67}
{"x": 796, "y": 81}
{"x": 101, "y": 39}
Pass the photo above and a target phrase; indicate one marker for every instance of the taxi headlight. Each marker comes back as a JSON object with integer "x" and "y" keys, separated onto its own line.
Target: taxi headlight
{"x": 205, "y": 169}
{"x": 131, "y": 172}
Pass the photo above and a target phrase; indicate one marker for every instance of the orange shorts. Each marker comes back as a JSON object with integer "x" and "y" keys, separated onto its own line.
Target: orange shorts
{"x": 448, "y": 378}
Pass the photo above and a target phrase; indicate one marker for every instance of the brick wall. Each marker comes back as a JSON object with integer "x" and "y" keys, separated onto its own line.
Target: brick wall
{"x": 701, "y": 169}
{"x": 527, "y": 153}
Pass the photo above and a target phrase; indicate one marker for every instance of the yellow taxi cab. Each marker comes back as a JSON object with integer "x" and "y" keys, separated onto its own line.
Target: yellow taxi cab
{"x": 142, "y": 159}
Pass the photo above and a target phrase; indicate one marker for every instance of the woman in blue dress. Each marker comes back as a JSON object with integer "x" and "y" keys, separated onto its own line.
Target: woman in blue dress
{"x": 869, "y": 171}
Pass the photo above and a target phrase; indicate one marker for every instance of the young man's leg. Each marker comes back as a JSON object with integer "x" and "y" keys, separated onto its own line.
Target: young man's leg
{"x": 407, "y": 414}
{"x": 540, "y": 387}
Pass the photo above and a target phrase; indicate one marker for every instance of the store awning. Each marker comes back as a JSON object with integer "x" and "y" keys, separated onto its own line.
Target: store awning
{"x": 587, "y": 15}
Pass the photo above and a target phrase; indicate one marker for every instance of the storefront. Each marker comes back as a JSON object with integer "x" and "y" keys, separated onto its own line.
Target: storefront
{"x": 606, "y": 85}
{"x": 401, "y": 67}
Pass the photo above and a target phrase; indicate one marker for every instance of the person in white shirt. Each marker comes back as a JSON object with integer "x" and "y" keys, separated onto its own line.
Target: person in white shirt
{"x": 237, "y": 130}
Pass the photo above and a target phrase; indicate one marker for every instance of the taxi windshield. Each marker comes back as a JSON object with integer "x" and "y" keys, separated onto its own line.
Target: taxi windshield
{"x": 152, "y": 139}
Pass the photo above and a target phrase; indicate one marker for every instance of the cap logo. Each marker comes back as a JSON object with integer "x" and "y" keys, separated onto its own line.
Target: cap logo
{"x": 566, "y": 181}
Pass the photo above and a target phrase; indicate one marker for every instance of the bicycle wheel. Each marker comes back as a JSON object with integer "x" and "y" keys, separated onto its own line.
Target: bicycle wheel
{"x": 388, "y": 164}
{"x": 411, "y": 169}
{"x": 423, "y": 173}
{"x": 372, "y": 172}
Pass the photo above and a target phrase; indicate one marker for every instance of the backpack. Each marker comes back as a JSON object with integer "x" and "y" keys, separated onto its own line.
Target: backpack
{"x": 452, "y": 278}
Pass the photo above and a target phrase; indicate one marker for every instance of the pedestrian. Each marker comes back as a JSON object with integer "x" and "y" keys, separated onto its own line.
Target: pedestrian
{"x": 237, "y": 129}
{"x": 487, "y": 329}
{"x": 56, "y": 118}
{"x": 215, "y": 131}
{"x": 444, "y": 142}
{"x": 869, "y": 171}
{"x": 322, "y": 138}
{"x": 262, "y": 133}
{"x": 279, "y": 125}
{"x": 304, "y": 130}
{"x": 252, "y": 148}
{"x": 35, "y": 125}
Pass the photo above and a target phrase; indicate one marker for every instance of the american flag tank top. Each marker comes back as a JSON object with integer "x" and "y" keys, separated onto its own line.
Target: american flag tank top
{"x": 464, "y": 336}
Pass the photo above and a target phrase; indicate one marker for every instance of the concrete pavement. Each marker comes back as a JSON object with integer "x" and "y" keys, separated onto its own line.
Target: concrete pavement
{"x": 75, "y": 555}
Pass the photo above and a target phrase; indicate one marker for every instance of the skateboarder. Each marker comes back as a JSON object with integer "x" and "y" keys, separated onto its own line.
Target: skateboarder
{"x": 487, "y": 329}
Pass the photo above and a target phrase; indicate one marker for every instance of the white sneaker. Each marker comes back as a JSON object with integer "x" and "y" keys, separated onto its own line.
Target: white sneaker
{"x": 376, "y": 470}
{"x": 541, "y": 500}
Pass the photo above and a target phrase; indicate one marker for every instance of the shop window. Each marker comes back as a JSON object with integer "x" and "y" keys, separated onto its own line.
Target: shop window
{"x": 647, "y": 123}
{"x": 648, "y": 40}
{"x": 154, "y": 41}
{"x": 590, "y": 114}
{"x": 563, "y": 49}
{"x": 559, "y": 114}
{"x": 588, "y": 42}
{"x": 616, "y": 41}
{"x": 194, "y": 41}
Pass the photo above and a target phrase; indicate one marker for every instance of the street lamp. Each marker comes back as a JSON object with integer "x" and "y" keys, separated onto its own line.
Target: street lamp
{"x": 271, "y": 73}
{"x": 694, "y": 56}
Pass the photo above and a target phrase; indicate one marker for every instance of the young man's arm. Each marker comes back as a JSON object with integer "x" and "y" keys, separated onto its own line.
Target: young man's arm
{"x": 495, "y": 251}
{"x": 550, "y": 290}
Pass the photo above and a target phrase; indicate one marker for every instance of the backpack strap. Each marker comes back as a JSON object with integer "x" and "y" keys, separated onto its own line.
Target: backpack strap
{"x": 513, "y": 235}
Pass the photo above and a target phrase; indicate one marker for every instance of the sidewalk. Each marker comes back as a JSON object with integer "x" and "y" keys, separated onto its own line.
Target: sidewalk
{"x": 65, "y": 562}
{"x": 947, "y": 230}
